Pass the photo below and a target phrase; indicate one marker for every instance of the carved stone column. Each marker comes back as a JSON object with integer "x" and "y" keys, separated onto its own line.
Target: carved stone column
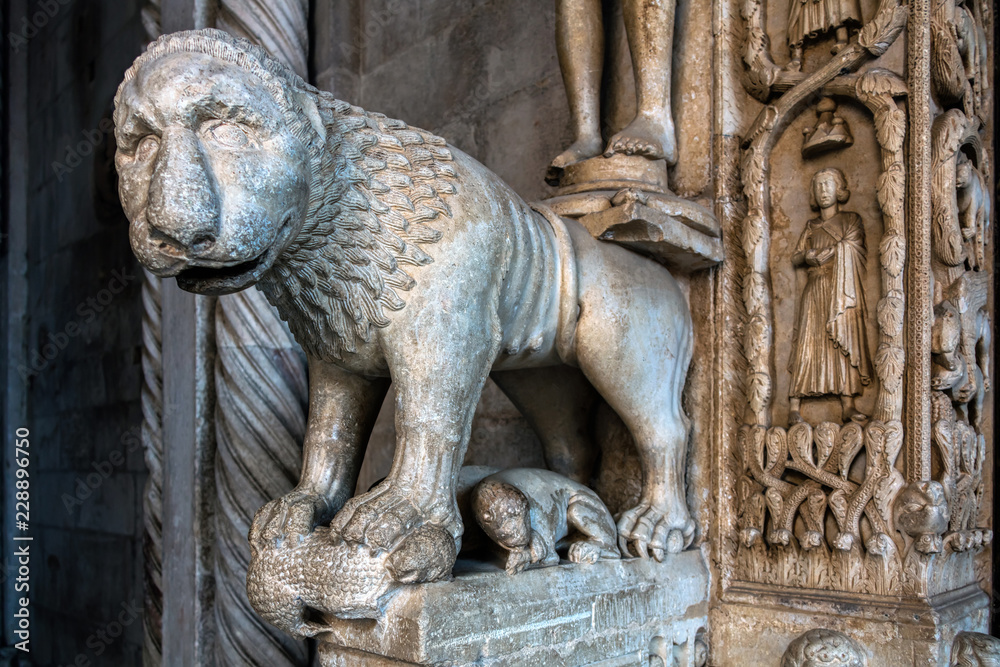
{"x": 856, "y": 446}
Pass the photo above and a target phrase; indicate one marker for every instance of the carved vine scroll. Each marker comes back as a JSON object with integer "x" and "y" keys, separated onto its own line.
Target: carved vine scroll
{"x": 825, "y": 506}
{"x": 845, "y": 472}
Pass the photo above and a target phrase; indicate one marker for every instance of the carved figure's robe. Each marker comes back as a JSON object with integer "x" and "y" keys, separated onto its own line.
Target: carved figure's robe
{"x": 830, "y": 352}
{"x": 812, "y": 18}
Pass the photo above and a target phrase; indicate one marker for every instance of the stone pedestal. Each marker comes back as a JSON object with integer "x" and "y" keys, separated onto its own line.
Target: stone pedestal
{"x": 610, "y": 613}
{"x": 760, "y": 621}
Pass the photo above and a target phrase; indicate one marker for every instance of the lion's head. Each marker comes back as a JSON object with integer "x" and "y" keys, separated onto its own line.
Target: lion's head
{"x": 234, "y": 171}
{"x": 214, "y": 159}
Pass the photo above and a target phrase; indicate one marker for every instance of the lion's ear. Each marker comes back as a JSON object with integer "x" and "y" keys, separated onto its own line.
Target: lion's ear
{"x": 307, "y": 103}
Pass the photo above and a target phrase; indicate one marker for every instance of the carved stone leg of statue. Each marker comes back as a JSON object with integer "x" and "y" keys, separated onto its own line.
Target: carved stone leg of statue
{"x": 580, "y": 43}
{"x": 558, "y": 403}
{"x": 644, "y": 389}
{"x": 842, "y": 36}
{"x": 342, "y": 412}
{"x": 794, "y": 410}
{"x": 795, "y": 58}
{"x": 650, "y": 28}
{"x": 848, "y": 410}
{"x": 433, "y": 419}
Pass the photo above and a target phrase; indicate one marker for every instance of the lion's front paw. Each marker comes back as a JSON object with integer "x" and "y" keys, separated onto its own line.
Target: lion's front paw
{"x": 382, "y": 517}
{"x": 517, "y": 560}
{"x": 647, "y": 530}
{"x": 295, "y": 513}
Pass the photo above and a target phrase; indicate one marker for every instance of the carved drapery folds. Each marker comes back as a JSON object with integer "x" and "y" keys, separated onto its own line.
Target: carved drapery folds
{"x": 825, "y": 505}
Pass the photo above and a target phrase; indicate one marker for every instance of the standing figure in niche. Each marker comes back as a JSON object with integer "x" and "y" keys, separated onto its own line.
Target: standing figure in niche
{"x": 830, "y": 352}
{"x": 580, "y": 39}
{"x": 808, "y": 19}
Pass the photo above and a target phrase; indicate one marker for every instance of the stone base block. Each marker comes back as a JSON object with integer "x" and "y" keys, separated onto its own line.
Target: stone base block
{"x": 610, "y": 614}
{"x": 753, "y": 626}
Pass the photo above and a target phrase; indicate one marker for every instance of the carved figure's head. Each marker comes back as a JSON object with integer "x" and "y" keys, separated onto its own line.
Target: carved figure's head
{"x": 973, "y": 649}
{"x": 828, "y": 188}
{"x": 946, "y": 329}
{"x": 921, "y": 509}
{"x": 502, "y": 512}
{"x": 215, "y": 153}
{"x": 823, "y": 648}
{"x": 963, "y": 170}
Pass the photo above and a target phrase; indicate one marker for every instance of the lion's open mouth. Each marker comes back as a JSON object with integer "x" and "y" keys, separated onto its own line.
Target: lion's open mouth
{"x": 203, "y": 273}
{"x": 221, "y": 280}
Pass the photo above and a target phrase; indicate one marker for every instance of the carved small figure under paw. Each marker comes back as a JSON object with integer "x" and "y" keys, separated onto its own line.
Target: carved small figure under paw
{"x": 295, "y": 580}
{"x": 821, "y": 647}
{"x": 529, "y": 512}
{"x": 972, "y": 649}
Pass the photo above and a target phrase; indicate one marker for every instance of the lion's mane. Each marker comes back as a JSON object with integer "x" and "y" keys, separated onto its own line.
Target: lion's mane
{"x": 375, "y": 185}
{"x": 380, "y": 184}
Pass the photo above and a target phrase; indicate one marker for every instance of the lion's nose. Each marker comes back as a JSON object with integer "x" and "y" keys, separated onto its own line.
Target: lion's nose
{"x": 183, "y": 202}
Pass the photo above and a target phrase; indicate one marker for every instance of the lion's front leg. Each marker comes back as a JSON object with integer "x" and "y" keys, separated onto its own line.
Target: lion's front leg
{"x": 342, "y": 412}
{"x": 437, "y": 389}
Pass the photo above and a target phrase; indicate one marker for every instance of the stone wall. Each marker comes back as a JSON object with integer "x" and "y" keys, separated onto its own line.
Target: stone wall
{"x": 83, "y": 335}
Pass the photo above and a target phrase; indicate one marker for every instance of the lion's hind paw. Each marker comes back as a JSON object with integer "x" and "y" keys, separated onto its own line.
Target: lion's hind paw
{"x": 646, "y": 531}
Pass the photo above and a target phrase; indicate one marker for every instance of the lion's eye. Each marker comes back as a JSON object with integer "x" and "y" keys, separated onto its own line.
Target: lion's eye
{"x": 230, "y": 135}
{"x": 147, "y": 147}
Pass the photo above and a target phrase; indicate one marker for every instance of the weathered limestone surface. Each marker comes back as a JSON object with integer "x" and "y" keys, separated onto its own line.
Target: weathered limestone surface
{"x": 608, "y": 613}
{"x": 762, "y": 622}
{"x": 859, "y": 504}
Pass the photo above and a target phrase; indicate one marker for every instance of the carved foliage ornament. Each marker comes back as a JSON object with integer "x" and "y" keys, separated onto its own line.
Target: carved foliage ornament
{"x": 837, "y": 529}
{"x": 791, "y": 530}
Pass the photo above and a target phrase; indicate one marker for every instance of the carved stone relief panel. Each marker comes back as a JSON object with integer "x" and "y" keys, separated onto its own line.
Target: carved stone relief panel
{"x": 814, "y": 362}
{"x": 821, "y": 497}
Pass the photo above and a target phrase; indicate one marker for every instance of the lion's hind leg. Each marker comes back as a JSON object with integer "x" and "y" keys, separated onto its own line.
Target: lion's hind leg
{"x": 558, "y": 403}
{"x": 634, "y": 343}
{"x": 596, "y": 532}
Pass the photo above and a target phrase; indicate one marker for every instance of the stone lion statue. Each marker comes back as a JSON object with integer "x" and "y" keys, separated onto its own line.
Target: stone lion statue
{"x": 392, "y": 255}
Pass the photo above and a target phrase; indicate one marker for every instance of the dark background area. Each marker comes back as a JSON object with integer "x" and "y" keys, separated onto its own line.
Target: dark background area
{"x": 80, "y": 387}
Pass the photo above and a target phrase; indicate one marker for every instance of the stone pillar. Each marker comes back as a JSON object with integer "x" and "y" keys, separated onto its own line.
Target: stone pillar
{"x": 855, "y": 449}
